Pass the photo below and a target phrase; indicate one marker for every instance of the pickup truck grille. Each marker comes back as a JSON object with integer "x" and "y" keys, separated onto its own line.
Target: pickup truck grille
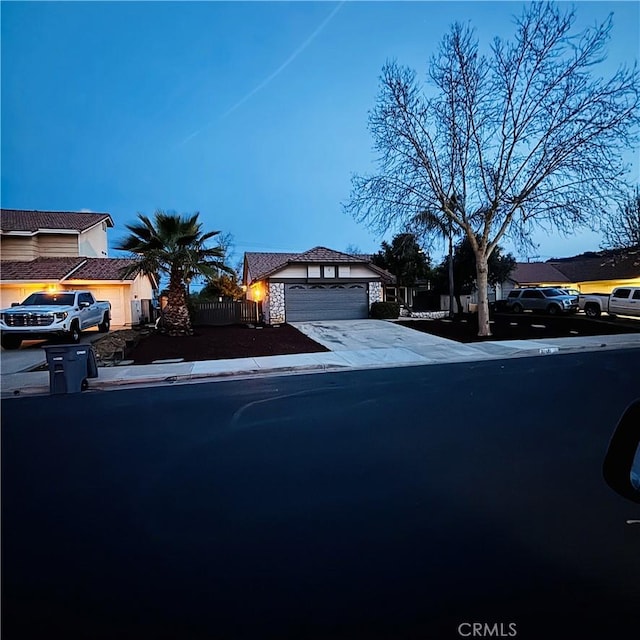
{"x": 28, "y": 319}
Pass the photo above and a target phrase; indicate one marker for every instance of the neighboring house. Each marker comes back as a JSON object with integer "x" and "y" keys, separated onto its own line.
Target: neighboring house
{"x": 42, "y": 250}
{"x": 319, "y": 284}
{"x": 592, "y": 272}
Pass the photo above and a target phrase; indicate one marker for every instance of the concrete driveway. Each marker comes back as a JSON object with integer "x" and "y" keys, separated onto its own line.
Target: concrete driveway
{"x": 31, "y": 354}
{"x": 353, "y": 335}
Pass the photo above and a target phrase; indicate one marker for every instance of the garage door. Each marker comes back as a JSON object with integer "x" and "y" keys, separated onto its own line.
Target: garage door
{"x": 115, "y": 296}
{"x": 326, "y": 302}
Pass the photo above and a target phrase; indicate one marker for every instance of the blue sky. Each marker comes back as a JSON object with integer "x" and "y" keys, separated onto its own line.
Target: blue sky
{"x": 252, "y": 113}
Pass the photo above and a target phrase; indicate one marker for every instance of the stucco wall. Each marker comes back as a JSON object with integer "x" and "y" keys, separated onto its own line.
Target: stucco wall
{"x": 10, "y": 293}
{"x": 356, "y": 271}
{"x": 93, "y": 242}
{"x": 292, "y": 271}
{"x": 606, "y": 286}
{"x": 142, "y": 288}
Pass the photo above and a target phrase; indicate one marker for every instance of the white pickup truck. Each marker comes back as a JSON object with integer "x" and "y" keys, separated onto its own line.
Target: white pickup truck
{"x": 46, "y": 314}
{"x": 624, "y": 301}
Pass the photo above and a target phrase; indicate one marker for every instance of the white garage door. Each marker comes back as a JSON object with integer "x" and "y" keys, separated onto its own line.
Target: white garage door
{"x": 115, "y": 295}
{"x": 305, "y": 302}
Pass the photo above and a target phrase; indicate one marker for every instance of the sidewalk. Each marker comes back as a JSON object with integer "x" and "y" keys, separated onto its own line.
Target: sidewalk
{"x": 430, "y": 350}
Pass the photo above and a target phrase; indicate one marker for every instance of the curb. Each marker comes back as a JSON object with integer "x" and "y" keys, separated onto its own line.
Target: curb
{"x": 105, "y": 385}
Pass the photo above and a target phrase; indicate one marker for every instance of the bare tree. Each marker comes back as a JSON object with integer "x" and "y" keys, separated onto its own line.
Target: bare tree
{"x": 621, "y": 230}
{"x": 501, "y": 144}
{"x": 353, "y": 249}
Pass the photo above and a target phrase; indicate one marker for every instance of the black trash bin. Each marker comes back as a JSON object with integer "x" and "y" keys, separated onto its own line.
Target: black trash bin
{"x": 69, "y": 367}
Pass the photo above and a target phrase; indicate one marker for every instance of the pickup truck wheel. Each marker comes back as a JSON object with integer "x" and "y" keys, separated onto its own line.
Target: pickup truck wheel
{"x": 553, "y": 309}
{"x": 11, "y": 342}
{"x": 516, "y": 308}
{"x": 592, "y": 310}
{"x": 103, "y": 327}
{"x": 74, "y": 333}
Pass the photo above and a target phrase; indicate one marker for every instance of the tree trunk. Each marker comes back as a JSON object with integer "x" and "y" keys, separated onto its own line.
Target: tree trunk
{"x": 451, "y": 283}
{"x": 482, "y": 282}
{"x": 175, "y": 319}
{"x": 459, "y": 304}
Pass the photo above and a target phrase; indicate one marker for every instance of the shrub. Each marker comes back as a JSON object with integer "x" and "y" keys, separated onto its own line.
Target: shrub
{"x": 385, "y": 310}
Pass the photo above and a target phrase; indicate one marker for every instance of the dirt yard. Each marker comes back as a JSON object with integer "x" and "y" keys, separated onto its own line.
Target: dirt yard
{"x": 523, "y": 327}
{"x": 218, "y": 343}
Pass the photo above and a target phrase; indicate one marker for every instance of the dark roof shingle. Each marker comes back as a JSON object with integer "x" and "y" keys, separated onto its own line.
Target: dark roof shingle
{"x": 32, "y": 221}
{"x": 587, "y": 267}
{"x": 536, "y": 272}
{"x": 102, "y": 269}
{"x": 322, "y": 254}
{"x": 38, "y": 269}
{"x": 262, "y": 265}
{"x": 65, "y": 269}
{"x": 603, "y": 265}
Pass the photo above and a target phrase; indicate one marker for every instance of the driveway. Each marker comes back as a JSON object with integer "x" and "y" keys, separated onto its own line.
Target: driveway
{"x": 353, "y": 335}
{"x": 31, "y": 354}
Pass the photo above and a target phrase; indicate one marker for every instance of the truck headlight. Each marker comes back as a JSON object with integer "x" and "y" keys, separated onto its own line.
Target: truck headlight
{"x": 60, "y": 315}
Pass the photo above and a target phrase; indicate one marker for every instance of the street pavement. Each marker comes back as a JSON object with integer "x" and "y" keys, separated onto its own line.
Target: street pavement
{"x": 383, "y": 504}
{"x": 353, "y": 344}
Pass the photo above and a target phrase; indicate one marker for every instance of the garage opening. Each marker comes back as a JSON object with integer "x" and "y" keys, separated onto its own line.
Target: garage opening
{"x": 305, "y": 302}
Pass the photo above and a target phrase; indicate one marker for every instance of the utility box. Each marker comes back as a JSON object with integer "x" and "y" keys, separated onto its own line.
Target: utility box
{"x": 69, "y": 367}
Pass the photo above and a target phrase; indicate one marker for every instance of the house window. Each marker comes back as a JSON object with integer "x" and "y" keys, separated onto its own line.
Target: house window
{"x": 344, "y": 271}
{"x": 329, "y": 271}
{"x": 313, "y": 271}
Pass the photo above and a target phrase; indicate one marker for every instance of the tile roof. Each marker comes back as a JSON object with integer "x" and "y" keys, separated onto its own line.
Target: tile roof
{"x": 262, "y": 265}
{"x": 591, "y": 266}
{"x": 32, "y": 221}
{"x": 536, "y": 272}
{"x": 322, "y": 254}
{"x": 601, "y": 265}
{"x": 63, "y": 269}
{"x": 38, "y": 269}
{"x": 102, "y": 269}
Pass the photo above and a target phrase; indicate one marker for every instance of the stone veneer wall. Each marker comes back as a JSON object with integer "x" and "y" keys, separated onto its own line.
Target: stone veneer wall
{"x": 276, "y": 303}
{"x": 375, "y": 292}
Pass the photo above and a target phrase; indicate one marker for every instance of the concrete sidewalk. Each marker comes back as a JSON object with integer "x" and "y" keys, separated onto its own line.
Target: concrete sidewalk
{"x": 399, "y": 349}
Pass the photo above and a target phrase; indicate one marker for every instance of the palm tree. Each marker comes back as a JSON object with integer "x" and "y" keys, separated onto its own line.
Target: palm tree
{"x": 430, "y": 222}
{"x": 174, "y": 246}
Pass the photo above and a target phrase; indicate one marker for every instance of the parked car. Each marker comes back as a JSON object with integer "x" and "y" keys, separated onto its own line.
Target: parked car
{"x": 46, "y": 314}
{"x": 570, "y": 292}
{"x": 541, "y": 299}
{"x": 498, "y": 306}
{"x": 622, "y": 301}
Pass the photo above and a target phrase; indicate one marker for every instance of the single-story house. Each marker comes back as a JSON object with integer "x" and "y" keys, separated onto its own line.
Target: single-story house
{"x": 319, "y": 284}
{"x": 53, "y": 250}
{"x": 592, "y": 272}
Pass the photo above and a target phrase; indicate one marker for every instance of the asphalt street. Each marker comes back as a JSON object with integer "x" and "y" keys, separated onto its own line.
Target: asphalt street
{"x": 389, "y": 503}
